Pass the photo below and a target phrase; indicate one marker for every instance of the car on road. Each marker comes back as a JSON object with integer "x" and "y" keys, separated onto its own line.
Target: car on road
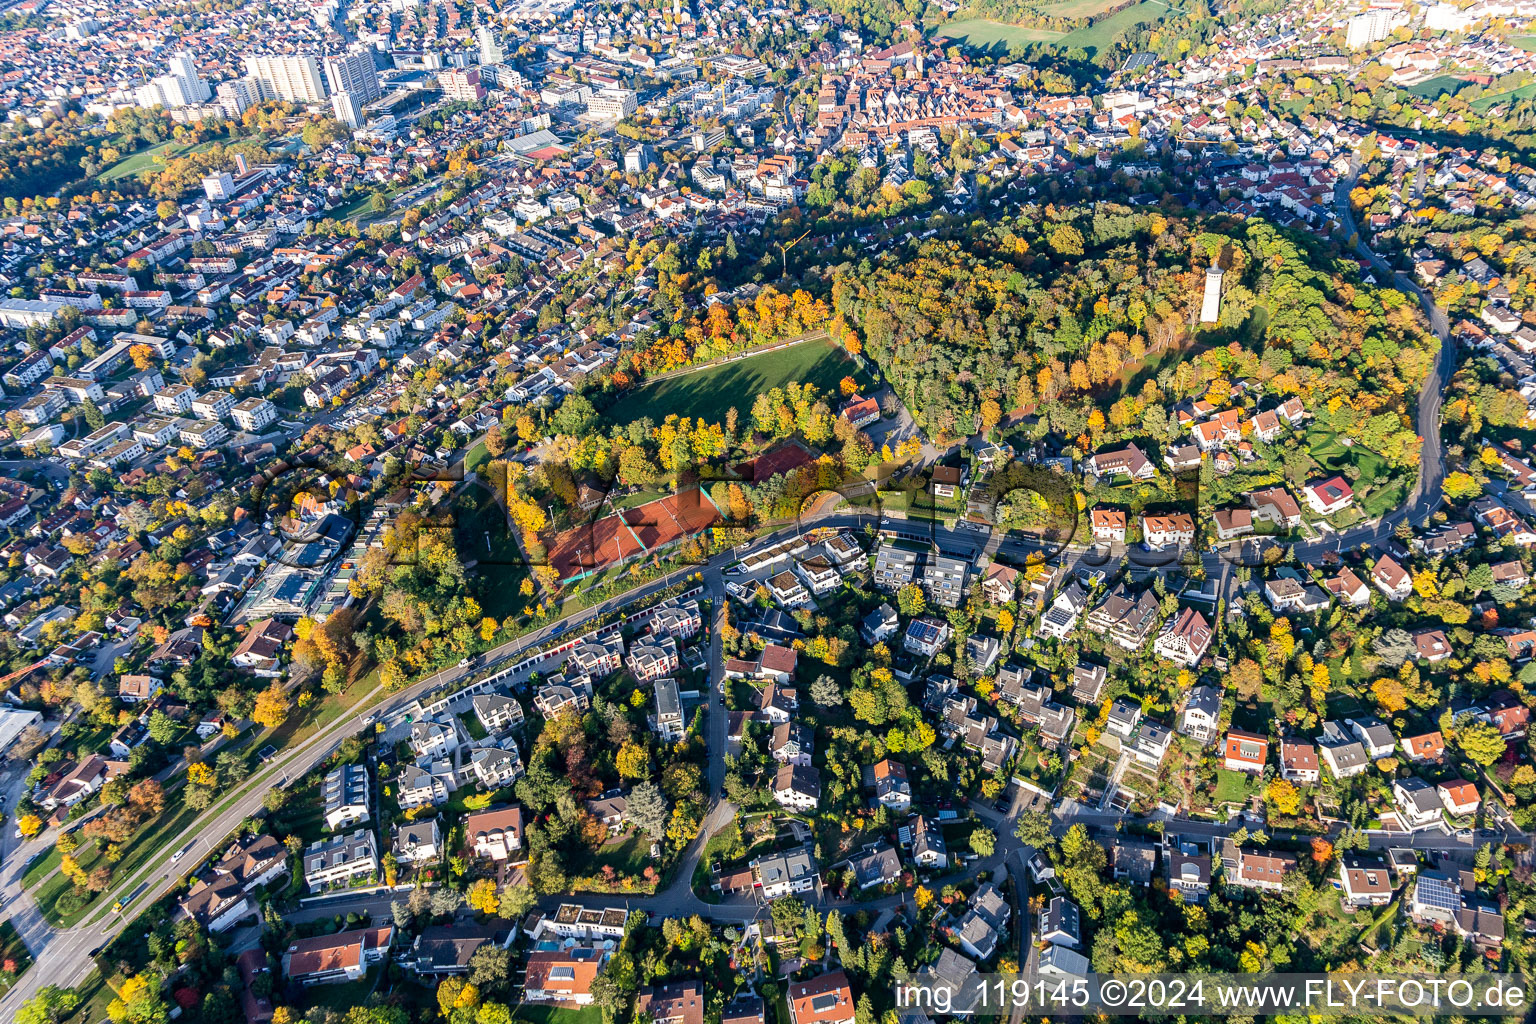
{"x": 463, "y": 663}
{"x": 1463, "y": 833}
{"x": 736, "y": 570}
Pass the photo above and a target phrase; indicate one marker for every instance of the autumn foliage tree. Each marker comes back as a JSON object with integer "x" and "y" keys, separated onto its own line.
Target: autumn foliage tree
{"x": 271, "y": 708}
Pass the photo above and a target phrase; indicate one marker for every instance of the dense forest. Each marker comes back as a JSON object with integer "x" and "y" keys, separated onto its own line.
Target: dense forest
{"x": 1069, "y": 312}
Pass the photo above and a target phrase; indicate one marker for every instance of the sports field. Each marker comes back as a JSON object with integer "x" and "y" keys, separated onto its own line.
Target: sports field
{"x": 707, "y": 393}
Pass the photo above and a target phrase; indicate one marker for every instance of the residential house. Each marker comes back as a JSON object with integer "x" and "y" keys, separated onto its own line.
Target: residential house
{"x": 792, "y": 743}
{"x": 1129, "y": 461}
{"x": 1246, "y": 752}
{"x": 1184, "y": 638}
{"x": 345, "y": 793}
{"x": 1391, "y": 579}
{"x": 784, "y": 874}
{"x": 496, "y": 833}
{"x": 1202, "y": 714}
{"x": 563, "y": 976}
{"x": 797, "y": 787}
{"x": 1298, "y": 762}
{"x": 1459, "y": 797}
{"x": 1107, "y": 525}
{"x": 1127, "y": 619}
{"x": 341, "y": 860}
{"x": 497, "y": 712}
{"x": 1425, "y": 748}
{"x": 826, "y": 999}
{"x": 1364, "y": 881}
{"x": 1418, "y": 803}
{"x": 1061, "y": 618}
{"x": 980, "y": 930}
{"x": 999, "y": 583}
{"x": 928, "y": 847}
{"x": 1260, "y": 869}
{"x": 875, "y": 865}
{"x": 925, "y": 636}
{"x": 1060, "y": 923}
{"x": 1329, "y": 496}
{"x": 1344, "y": 755}
{"x": 668, "y": 722}
{"x": 674, "y": 1002}
{"x": 340, "y": 957}
{"x": 418, "y": 842}
{"x": 890, "y": 784}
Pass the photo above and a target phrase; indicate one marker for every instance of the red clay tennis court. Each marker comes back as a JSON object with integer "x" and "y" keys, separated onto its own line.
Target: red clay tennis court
{"x": 584, "y": 550}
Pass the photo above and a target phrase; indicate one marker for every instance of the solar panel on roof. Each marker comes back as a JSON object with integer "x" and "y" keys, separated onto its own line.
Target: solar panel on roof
{"x": 1438, "y": 893}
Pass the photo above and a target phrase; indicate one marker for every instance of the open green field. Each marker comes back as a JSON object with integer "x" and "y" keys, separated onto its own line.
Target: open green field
{"x": 708, "y": 392}
{"x": 144, "y": 159}
{"x": 1524, "y": 42}
{"x": 984, "y": 34}
{"x": 1075, "y": 8}
{"x": 1098, "y": 36}
{"x": 1437, "y": 86}
{"x": 362, "y": 208}
{"x": 1483, "y": 102}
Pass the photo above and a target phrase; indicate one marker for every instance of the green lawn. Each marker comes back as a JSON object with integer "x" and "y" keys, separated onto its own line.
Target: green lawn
{"x": 984, "y": 34}
{"x": 144, "y": 159}
{"x": 41, "y": 867}
{"x": 1483, "y": 102}
{"x": 95, "y": 996}
{"x": 1332, "y": 455}
{"x": 1075, "y": 8}
{"x": 1099, "y": 36}
{"x": 557, "y": 1014}
{"x": 12, "y": 948}
{"x": 1232, "y": 787}
{"x": 707, "y": 393}
{"x": 473, "y": 725}
{"x": 362, "y": 207}
{"x": 630, "y": 856}
{"x": 1436, "y": 86}
{"x": 1524, "y": 42}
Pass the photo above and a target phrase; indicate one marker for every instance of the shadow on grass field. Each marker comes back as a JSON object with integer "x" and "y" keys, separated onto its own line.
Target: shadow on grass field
{"x": 708, "y": 392}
